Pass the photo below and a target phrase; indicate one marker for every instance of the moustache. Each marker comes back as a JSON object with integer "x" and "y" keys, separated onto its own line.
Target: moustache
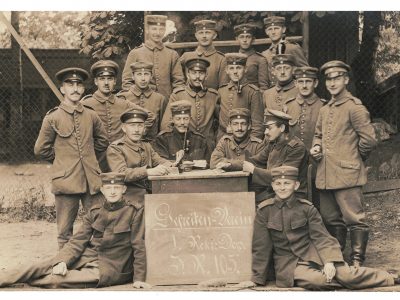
{"x": 239, "y": 131}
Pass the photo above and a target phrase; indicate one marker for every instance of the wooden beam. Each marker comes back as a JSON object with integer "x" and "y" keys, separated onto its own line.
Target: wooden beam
{"x": 306, "y": 33}
{"x": 265, "y": 41}
{"x": 31, "y": 57}
{"x": 381, "y": 185}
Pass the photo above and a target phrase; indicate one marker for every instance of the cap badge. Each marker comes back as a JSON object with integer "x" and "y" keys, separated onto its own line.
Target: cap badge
{"x": 112, "y": 181}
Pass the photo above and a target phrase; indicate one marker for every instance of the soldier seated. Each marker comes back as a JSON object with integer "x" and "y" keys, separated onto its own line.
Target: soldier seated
{"x": 233, "y": 149}
{"x": 180, "y": 143}
{"x": 108, "y": 249}
{"x": 289, "y": 232}
{"x": 134, "y": 157}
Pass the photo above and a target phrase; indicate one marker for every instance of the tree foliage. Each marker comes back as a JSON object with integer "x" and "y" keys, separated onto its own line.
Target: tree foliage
{"x": 387, "y": 59}
{"x": 108, "y": 34}
{"x": 50, "y": 30}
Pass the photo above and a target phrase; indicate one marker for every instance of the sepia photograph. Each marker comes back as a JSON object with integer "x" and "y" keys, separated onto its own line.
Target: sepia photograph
{"x": 251, "y": 150}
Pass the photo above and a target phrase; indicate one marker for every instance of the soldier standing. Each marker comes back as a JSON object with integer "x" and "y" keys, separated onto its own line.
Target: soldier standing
{"x": 206, "y": 33}
{"x": 344, "y": 137}
{"x": 142, "y": 95}
{"x": 256, "y": 65}
{"x": 69, "y": 137}
{"x": 167, "y": 73}
{"x": 285, "y": 89}
{"x": 237, "y": 94}
{"x": 135, "y": 158}
{"x": 275, "y": 29}
{"x": 180, "y": 143}
{"x": 289, "y": 232}
{"x": 304, "y": 110}
{"x": 205, "y": 108}
{"x": 107, "y": 106}
{"x": 281, "y": 149}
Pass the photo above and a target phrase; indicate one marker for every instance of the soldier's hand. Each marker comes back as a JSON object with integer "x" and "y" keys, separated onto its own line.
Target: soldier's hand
{"x": 158, "y": 171}
{"x": 329, "y": 271}
{"x": 248, "y": 167}
{"x": 60, "y": 269}
{"x": 246, "y": 284}
{"x": 316, "y": 152}
{"x": 179, "y": 156}
{"x": 141, "y": 285}
{"x": 223, "y": 165}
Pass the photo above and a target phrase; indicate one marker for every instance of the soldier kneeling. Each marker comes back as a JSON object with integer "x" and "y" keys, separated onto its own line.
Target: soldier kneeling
{"x": 289, "y": 232}
{"x": 108, "y": 250}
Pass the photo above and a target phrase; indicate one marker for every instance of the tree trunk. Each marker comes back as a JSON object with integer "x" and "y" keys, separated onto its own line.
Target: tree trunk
{"x": 364, "y": 75}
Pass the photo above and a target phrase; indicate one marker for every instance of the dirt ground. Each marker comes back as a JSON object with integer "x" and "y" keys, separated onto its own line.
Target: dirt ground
{"x": 26, "y": 243}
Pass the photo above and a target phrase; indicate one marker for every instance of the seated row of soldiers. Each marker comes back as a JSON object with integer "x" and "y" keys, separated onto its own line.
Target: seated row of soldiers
{"x": 104, "y": 131}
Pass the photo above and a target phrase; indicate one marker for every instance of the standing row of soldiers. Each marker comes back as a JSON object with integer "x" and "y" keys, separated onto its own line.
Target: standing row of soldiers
{"x": 222, "y": 114}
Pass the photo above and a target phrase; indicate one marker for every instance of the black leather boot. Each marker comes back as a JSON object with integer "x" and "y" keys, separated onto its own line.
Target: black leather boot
{"x": 359, "y": 241}
{"x": 339, "y": 233}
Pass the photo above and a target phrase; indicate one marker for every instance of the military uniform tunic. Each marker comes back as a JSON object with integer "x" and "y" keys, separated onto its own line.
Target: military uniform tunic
{"x": 132, "y": 159}
{"x": 216, "y": 74}
{"x": 168, "y": 142}
{"x": 150, "y": 100}
{"x": 288, "y": 152}
{"x": 228, "y": 150}
{"x": 204, "y": 112}
{"x": 284, "y": 47}
{"x": 345, "y": 133}
{"x": 107, "y": 250}
{"x": 256, "y": 69}
{"x": 304, "y": 113}
{"x": 69, "y": 138}
{"x": 277, "y": 96}
{"x": 246, "y": 96}
{"x": 292, "y": 235}
{"x": 167, "y": 73}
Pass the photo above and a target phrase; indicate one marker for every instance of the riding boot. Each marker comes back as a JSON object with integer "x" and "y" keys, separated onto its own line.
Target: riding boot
{"x": 359, "y": 241}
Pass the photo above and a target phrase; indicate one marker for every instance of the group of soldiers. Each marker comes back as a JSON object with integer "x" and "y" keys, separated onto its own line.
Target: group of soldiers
{"x": 243, "y": 111}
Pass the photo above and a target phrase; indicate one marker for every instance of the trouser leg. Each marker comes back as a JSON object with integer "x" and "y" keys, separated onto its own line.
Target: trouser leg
{"x": 330, "y": 210}
{"x": 309, "y": 276}
{"x": 362, "y": 277}
{"x": 83, "y": 278}
{"x": 67, "y": 207}
{"x": 89, "y": 200}
{"x": 351, "y": 206}
{"x": 25, "y": 276}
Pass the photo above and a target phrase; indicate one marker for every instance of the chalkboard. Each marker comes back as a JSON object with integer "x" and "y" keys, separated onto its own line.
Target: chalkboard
{"x": 195, "y": 237}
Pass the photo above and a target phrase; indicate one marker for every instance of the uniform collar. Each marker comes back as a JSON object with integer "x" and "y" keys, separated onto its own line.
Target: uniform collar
{"x": 232, "y": 85}
{"x": 248, "y": 52}
{"x": 242, "y": 145}
{"x": 70, "y": 109}
{"x": 206, "y": 52}
{"x": 151, "y": 45}
{"x": 273, "y": 46}
{"x": 137, "y": 91}
{"x": 279, "y": 145}
{"x": 343, "y": 97}
{"x": 310, "y": 100}
{"x": 133, "y": 145}
{"x": 114, "y": 206}
{"x": 193, "y": 93}
{"x": 102, "y": 98}
{"x": 286, "y": 87}
{"x": 289, "y": 202}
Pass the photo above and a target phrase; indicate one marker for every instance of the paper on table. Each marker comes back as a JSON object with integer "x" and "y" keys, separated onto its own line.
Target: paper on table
{"x": 201, "y": 164}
